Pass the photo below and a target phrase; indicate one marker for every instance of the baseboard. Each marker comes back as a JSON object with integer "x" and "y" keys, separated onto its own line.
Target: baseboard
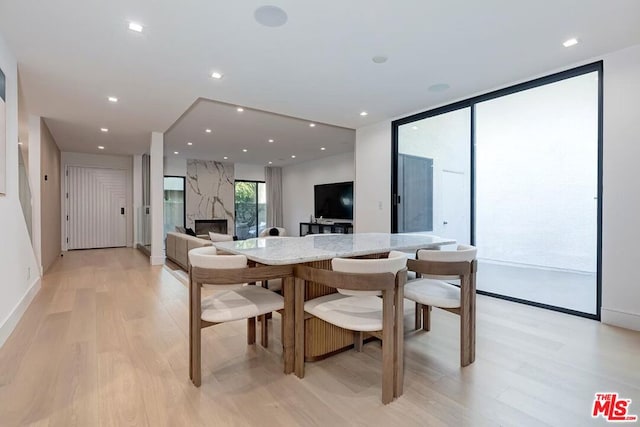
{"x": 157, "y": 260}
{"x": 9, "y": 324}
{"x": 620, "y": 318}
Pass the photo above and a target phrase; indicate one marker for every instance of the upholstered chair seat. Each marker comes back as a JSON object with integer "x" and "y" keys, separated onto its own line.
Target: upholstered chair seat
{"x": 431, "y": 292}
{"x": 363, "y": 313}
{"x": 249, "y": 301}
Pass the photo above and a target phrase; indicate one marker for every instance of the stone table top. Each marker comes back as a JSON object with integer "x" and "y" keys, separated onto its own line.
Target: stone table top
{"x": 318, "y": 247}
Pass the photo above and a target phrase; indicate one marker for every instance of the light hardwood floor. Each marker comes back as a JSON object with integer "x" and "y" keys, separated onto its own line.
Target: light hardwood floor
{"x": 105, "y": 343}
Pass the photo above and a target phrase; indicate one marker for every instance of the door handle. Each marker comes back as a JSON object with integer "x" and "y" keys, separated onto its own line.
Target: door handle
{"x": 121, "y": 211}
{"x": 445, "y": 222}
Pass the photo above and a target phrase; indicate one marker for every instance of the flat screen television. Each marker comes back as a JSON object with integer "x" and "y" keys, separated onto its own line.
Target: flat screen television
{"x": 334, "y": 201}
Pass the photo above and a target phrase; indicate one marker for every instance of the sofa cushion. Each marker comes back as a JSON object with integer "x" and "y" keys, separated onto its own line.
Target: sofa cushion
{"x": 178, "y": 246}
{"x": 217, "y": 237}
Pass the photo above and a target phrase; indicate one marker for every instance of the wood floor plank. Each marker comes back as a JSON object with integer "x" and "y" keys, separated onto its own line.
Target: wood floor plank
{"x": 27, "y": 399}
{"x": 104, "y": 343}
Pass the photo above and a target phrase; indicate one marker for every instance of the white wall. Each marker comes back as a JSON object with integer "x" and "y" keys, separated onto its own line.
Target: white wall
{"x": 243, "y": 171}
{"x": 98, "y": 161}
{"x": 372, "y": 190}
{"x": 298, "y": 181}
{"x": 176, "y": 166}
{"x": 20, "y": 280}
{"x": 621, "y": 198}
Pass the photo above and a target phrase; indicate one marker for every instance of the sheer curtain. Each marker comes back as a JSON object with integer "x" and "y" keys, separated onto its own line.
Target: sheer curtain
{"x": 273, "y": 180}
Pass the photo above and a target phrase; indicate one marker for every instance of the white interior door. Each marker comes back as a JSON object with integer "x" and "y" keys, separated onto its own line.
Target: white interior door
{"x": 455, "y": 206}
{"x": 96, "y": 208}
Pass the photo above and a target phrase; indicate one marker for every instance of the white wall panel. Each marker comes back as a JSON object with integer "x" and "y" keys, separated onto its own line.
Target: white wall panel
{"x": 298, "y": 183}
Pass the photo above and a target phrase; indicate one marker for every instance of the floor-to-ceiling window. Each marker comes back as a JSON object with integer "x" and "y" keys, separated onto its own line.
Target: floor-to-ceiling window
{"x": 517, "y": 173}
{"x": 433, "y": 170}
{"x": 174, "y": 203}
{"x": 251, "y": 208}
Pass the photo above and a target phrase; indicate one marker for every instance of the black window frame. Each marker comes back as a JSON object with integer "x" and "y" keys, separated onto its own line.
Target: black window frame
{"x": 598, "y": 67}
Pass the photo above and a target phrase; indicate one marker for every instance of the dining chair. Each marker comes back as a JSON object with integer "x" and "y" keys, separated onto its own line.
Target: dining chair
{"x": 268, "y": 232}
{"x": 232, "y": 300}
{"x": 433, "y": 269}
{"x": 357, "y": 306}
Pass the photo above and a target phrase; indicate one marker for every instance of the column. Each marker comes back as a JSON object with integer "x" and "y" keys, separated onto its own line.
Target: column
{"x": 156, "y": 192}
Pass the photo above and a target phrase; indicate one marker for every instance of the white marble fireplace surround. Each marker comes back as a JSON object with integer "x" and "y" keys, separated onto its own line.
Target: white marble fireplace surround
{"x": 210, "y": 191}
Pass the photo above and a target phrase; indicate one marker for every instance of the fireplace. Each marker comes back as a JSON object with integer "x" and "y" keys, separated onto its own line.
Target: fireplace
{"x": 204, "y": 226}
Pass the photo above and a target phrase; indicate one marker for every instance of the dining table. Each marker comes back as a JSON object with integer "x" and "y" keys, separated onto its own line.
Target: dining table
{"x": 317, "y": 250}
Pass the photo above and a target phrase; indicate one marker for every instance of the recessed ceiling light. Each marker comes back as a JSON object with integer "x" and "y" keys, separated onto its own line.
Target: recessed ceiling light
{"x": 570, "y": 42}
{"x": 312, "y": 125}
{"x": 216, "y": 75}
{"x": 134, "y": 26}
{"x": 244, "y": 150}
{"x": 364, "y": 113}
{"x": 270, "y": 163}
{"x": 414, "y": 127}
{"x": 225, "y": 157}
{"x": 293, "y": 156}
{"x": 240, "y": 109}
{"x": 322, "y": 148}
{"x": 207, "y": 130}
{"x": 271, "y": 140}
{"x": 189, "y": 143}
{"x": 175, "y": 152}
{"x": 104, "y": 130}
{"x": 112, "y": 99}
{"x": 379, "y": 59}
{"x": 438, "y": 87}
{"x": 100, "y": 147}
{"x": 270, "y": 16}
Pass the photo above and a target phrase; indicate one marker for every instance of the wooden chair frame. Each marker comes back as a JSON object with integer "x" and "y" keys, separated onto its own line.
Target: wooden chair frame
{"x": 466, "y": 271}
{"x": 392, "y": 334}
{"x": 218, "y": 276}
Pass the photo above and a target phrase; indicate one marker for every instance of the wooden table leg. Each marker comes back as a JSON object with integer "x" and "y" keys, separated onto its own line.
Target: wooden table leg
{"x": 399, "y": 340}
{"x": 288, "y": 321}
{"x": 468, "y": 321}
{"x": 299, "y": 327}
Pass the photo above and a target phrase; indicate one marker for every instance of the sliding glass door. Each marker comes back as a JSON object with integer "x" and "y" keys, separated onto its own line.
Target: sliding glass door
{"x": 516, "y": 173}
{"x": 433, "y": 175}
{"x": 251, "y": 208}
{"x": 537, "y": 193}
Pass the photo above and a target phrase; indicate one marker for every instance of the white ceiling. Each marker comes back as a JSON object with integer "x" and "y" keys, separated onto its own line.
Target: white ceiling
{"x": 73, "y": 54}
{"x": 233, "y": 131}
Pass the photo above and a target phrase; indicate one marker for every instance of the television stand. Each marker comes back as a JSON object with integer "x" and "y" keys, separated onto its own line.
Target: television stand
{"x": 318, "y": 228}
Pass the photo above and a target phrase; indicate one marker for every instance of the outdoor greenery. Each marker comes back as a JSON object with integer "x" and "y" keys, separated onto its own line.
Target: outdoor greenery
{"x": 246, "y": 197}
